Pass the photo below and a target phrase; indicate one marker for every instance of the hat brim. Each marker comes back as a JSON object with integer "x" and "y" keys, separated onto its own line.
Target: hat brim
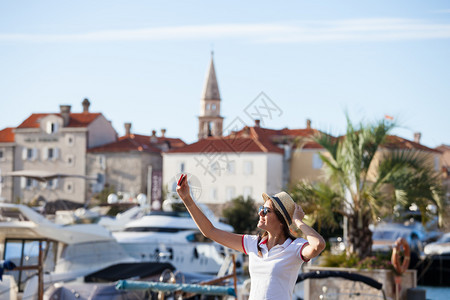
{"x": 266, "y": 197}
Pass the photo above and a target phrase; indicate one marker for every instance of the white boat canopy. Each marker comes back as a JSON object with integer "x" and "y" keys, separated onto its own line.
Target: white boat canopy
{"x": 42, "y": 175}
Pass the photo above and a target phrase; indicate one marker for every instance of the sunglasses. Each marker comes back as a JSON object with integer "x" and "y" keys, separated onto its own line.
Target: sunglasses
{"x": 264, "y": 209}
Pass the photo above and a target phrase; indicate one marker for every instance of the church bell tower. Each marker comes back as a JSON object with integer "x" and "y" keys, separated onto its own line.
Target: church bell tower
{"x": 209, "y": 121}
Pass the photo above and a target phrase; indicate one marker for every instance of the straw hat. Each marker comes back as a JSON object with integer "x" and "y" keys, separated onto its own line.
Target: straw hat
{"x": 284, "y": 204}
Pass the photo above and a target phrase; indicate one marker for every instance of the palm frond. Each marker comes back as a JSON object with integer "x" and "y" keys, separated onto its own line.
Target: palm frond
{"x": 328, "y": 142}
{"x": 319, "y": 201}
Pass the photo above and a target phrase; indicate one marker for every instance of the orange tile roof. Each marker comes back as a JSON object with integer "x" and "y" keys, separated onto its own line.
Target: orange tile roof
{"x": 275, "y": 136}
{"x": 396, "y": 142}
{"x": 32, "y": 121}
{"x": 251, "y": 139}
{"x": 290, "y": 134}
{"x": 137, "y": 142}
{"x": 173, "y": 142}
{"x": 443, "y": 148}
{"x": 82, "y": 119}
{"x": 228, "y": 145}
{"x": 126, "y": 144}
{"x": 76, "y": 119}
{"x": 7, "y": 135}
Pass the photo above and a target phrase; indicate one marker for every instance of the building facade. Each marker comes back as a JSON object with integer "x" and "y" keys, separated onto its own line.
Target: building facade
{"x": 221, "y": 169}
{"x": 58, "y": 143}
{"x": 7, "y": 148}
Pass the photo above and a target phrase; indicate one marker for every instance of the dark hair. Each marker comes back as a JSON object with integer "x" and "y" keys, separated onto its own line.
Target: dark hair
{"x": 286, "y": 230}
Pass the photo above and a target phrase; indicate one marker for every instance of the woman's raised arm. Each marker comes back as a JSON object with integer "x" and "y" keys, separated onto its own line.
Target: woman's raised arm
{"x": 225, "y": 238}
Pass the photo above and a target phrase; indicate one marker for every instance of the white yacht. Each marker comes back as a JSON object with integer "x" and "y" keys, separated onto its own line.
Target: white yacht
{"x": 68, "y": 252}
{"x": 173, "y": 237}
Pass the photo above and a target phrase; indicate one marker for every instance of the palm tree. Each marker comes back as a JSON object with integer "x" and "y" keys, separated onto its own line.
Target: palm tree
{"x": 362, "y": 178}
{"x": 417, "y": 184}
{"x": 320, "y": 203}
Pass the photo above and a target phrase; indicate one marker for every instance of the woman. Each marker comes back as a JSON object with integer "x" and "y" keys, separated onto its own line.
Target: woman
{"x": 275, "y": 257}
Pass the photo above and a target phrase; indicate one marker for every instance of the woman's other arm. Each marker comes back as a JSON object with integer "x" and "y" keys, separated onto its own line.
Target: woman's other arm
{"x": 316, "y": 243}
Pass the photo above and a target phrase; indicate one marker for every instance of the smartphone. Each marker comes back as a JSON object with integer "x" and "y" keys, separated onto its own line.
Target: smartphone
{"x": 182, "y": 177}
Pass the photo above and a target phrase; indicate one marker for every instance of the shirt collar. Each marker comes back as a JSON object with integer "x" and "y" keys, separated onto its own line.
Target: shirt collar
{"x": 284, "y": 245}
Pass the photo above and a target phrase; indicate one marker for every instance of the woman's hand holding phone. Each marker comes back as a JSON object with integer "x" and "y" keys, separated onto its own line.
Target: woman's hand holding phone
{"x": 181, "y": 180}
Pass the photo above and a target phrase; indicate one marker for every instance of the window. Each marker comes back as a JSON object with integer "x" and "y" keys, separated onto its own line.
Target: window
{"x": 102, "y": 162}
{"x": 52, "y": 184}
{"x": 248, "y": 191}
{"x": 213, "y": 194}
{"x": 28, "y": 183}
{"x": 29, "y": 153}
{"x": 68, "y": 187}
{"x": 231, "y": 167}
{"x": 100, "y": 178}
{"x": 248, "y": 167}
{"x": 436, "y": 163}
{"x": 70, "y": 159}
{"x": 215, "y": 168}
{"x": 182, "y": 167}
{"x": 230, "y": 191}
{"x": 52, "y": 127}
{"x": 2, "y": 155}
{"x": 317, "y": 161}
{"x": 50, "y": 153}
{"x": 213, "y": 107}
{"x": 70, "y": 139}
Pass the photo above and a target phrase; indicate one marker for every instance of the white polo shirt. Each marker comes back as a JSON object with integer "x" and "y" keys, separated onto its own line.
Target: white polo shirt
{"x": 273, "y": 275}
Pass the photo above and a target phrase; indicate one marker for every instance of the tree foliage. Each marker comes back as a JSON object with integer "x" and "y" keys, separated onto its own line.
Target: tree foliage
{"x": 416, "y": 184}
{"x": 242, "y": 215}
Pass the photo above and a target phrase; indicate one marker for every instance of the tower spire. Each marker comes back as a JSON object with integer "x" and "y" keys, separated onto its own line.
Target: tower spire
{"x": 210, "y": 121}
{"x": 211, "y": 87}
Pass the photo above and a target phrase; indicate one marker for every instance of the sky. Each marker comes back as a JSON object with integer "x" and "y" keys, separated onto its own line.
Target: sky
{"x": 145, "y": 62}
